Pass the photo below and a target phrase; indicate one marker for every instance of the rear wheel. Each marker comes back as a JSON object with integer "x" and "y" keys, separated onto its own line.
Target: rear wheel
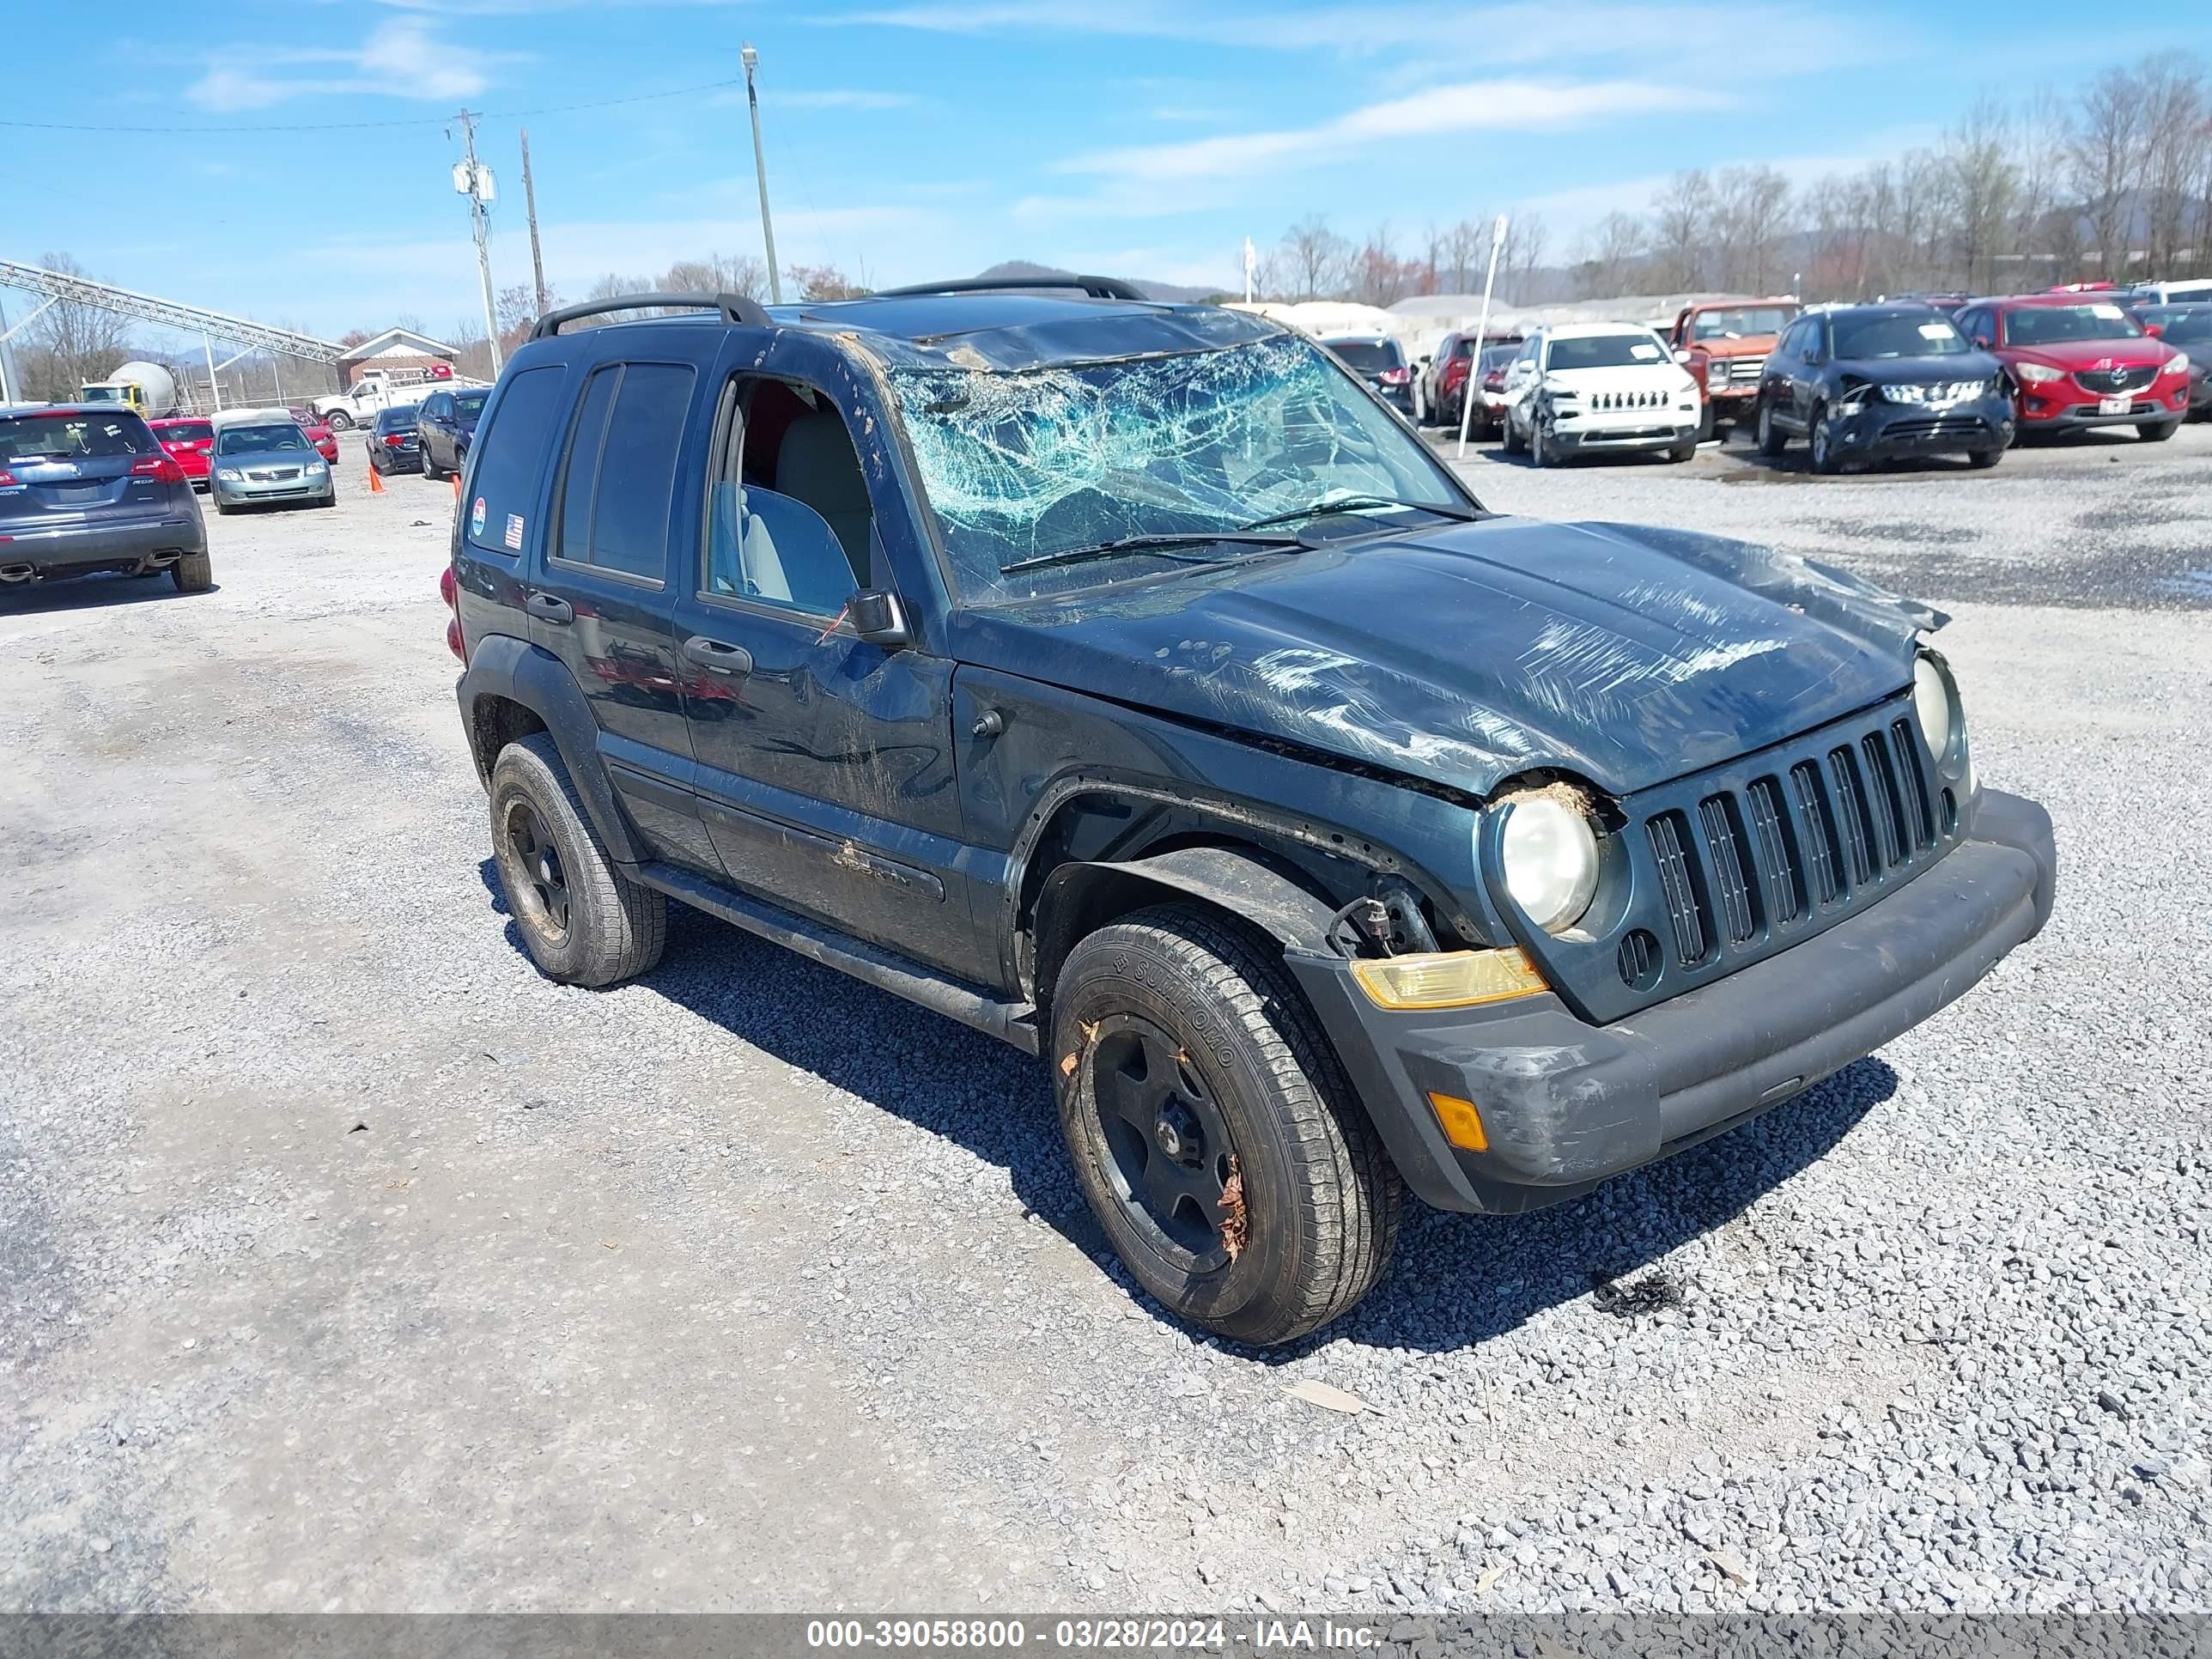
{"x": 582, "y": 920}
{"x": 1772, "y": 441}
{"x": 1211, "y": 1130}
{"x": 2157, "y": 432}
{"x": 194, "y": 573}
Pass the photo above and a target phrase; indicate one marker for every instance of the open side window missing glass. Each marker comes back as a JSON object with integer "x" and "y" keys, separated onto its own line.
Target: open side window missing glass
{"x": 789, "y": 523}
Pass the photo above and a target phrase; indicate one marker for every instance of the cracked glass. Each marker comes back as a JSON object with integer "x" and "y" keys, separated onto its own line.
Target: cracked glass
{"x": 1023, "y": 464}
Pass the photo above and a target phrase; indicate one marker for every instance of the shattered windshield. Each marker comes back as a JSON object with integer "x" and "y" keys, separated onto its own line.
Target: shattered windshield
{"x": 1023, "y": 465}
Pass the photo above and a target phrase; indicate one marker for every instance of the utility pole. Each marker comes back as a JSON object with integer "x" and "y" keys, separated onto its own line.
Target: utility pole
{"x": 473, "y": 180}
{"x": 530, "y": 207}
{"x": 760, "y": 170}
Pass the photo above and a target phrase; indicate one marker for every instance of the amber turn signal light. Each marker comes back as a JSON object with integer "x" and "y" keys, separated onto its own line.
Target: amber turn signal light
{"x": 1462, "y": 1123}
{"x": 1448, "y": 978}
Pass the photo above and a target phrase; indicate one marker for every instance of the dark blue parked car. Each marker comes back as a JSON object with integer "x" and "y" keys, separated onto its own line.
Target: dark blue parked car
{"x": 1127, "y": 681}
{"x": 444, "y": 426}
{"x": 1865, "y": 384}
{"x": 88, "y": 488}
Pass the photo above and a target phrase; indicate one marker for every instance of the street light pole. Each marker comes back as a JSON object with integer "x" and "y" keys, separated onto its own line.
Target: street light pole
{"x": 760, "y": 170}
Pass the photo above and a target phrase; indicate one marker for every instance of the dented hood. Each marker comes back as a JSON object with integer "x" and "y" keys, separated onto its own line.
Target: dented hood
{"x": 1464, "y": 654}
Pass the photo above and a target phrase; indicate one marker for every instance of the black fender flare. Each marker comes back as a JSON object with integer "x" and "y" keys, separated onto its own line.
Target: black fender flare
{"x": 502, "y": 666}
{"x": 1232, "y": 878}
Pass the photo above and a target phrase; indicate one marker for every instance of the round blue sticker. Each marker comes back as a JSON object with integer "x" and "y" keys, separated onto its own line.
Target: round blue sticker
{"x": 476, "y": 517}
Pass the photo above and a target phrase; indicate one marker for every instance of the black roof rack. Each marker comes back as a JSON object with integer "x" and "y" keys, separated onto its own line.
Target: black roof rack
{"x": 1098, "y": 288}
{"x": 734, "y": 308}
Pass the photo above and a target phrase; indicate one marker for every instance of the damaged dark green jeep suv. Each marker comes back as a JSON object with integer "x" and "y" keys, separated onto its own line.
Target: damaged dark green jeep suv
{"x": 1127, "y": 681}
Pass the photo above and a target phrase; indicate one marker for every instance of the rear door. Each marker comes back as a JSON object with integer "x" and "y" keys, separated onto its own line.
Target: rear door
{"x": 72, "y": 469}
{"x": 599, "y": 594}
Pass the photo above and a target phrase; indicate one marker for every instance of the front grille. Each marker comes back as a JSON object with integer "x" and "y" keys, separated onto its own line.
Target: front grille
{"x": 1734, "y": 371}
{"x": 273, "y": 475}
{"x": 1628, "y": 400}
{"x": 1757, "y": 858}
{"x": 1935, "y": 426}
{"x": 2117, "y": 379}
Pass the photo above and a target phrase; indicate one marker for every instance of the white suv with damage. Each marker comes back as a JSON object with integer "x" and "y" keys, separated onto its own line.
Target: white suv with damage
{"x": 1578, "y": 388}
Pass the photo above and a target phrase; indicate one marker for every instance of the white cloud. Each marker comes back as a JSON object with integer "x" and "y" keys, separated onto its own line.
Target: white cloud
{"x": 841, "y": 98}
{"x": 402, "y": 58}
{"x": 1468, "y": 107}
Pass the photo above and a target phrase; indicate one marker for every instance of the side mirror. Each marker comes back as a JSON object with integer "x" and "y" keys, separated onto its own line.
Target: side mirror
{"x": 878, "y": 616}
{"x": 1682, "y": 355}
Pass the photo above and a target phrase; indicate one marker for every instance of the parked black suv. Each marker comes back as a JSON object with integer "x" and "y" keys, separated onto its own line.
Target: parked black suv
{"x": 1867, "y": 384}
{"x": 1124, "y": 680}
{"x": 86, "y": 488}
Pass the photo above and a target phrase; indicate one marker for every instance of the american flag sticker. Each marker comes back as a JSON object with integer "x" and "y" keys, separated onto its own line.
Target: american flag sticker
{"x": 514, "y": 531}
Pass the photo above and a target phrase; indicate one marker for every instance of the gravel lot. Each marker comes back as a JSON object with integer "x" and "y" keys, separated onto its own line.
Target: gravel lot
{"x": 346, "y": 1264}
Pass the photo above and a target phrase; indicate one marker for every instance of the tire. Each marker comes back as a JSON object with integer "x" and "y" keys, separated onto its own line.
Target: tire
{"x": 193, "y": 574}
{"x": 2157, "y": 432}
{"x": 339, "y": 420}
{"x": 429, "y": 468}
{"x": 1540, "y": 450}
{"x": 1185, "y": 992}
{"x": 1514, "y": 443}
{"x": 1826, "y": 461}
{"x": 1982, "y": 460}
{"x": 330, "y": 499}
{"x": 1705, "y": 421}
{"x": 224, "y": 509}
{"x": 1683, "y": 452}
{"x": 583, "y": 922}
{"x": 1772, "y": 441}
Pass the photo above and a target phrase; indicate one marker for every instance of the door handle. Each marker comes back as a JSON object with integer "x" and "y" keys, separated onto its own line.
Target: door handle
{"x": 546, "y": 608}
{"x": 717, "y": 656}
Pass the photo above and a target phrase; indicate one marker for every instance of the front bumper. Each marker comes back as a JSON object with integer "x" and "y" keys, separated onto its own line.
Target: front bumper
{"x": 85, "y": 550}
{"x": 1566, "y": 1104}
{"x": 248, "y": 492}
{"x": 2067, "y": 407}
{"x": 1883, "y": 430}
{"x": 1628, "y": 432}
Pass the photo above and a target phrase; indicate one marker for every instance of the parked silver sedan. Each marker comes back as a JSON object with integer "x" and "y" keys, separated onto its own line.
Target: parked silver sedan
{"x": 264, "y": 456}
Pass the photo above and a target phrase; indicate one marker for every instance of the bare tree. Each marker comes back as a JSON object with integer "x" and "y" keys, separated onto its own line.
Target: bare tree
{"x": 1983, "y": 183}
{"x": 1682, "y": 231}
{"x": 1315, "y": 257}
{"x": 1615, "y": 256}
{"x": 70, "y": 342}
{"x": 818, "y": 284}
{"x": 2104, "y": 162}
{"x": 2179, "y": 118}
{"x": 1749, "y": 214}
{"x": 1522, "y": 256}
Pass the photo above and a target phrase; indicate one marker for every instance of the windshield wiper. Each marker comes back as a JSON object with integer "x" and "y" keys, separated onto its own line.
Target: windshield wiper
{"x": 1248, "y": 536}
{"x": 1465, "y": 515}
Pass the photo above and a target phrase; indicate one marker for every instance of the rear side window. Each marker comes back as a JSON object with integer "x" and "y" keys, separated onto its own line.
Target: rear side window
{"x": 508, "y": 455}
{"x": 619, "y": 479}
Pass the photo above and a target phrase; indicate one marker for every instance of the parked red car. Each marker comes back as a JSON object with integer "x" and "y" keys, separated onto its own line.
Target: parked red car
{"x": 2077, "y": 360}
{"x": 187, "y": 439}
{"x": 318, "y": 433}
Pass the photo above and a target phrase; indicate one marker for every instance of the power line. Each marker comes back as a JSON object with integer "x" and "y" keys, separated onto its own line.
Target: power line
{"x": 359, "y": 126}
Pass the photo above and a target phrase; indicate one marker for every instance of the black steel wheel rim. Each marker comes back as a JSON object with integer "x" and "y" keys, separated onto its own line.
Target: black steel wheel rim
{"x": 535, "y": 856}
{"x": 1169, "y": 1158}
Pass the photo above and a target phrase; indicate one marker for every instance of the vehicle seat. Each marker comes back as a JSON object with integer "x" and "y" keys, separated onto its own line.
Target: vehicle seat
{"x": 819, "y": 466}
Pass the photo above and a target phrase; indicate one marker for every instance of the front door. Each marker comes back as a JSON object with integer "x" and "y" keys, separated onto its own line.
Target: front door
{"x": 824, "y": 762}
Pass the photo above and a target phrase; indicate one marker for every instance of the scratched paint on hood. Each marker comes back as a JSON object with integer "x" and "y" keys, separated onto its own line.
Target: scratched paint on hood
{"x": 1463, "y": 654}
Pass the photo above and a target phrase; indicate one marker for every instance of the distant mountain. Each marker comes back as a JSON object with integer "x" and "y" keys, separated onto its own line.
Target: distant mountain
{"x": 1029, "y": 270}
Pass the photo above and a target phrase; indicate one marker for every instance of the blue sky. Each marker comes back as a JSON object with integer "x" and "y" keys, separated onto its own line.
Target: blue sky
{"x": 920, "y": 138}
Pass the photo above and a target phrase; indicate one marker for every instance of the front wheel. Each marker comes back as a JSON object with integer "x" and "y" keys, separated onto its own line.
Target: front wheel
{"x": 430, "y": 466}
{"x": 1514, "y": 443}
{"x": 339, "y": 420}
{"x": 1826, "y": 461}
{"x": 1982, "y": 460}
{"x": 2157, "y": 432}
{"x": 1771, "y": 440}
{"x": 1213, "y": 1131}
{"x": 1541, "y": 452}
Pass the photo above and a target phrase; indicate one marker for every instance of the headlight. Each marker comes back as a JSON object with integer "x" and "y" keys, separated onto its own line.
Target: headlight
{"x": 228, "y": 474}
{"x": 1931, "y": 702}
{"x": 2037, "y": 373}
{"x": 2179, "y": 365}
{"x": 1549, "y": 853}
{"x": 316, "y": 469}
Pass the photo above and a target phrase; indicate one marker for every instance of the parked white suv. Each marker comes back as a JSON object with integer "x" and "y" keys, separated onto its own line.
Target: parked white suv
{"x": 1580, "y": 388}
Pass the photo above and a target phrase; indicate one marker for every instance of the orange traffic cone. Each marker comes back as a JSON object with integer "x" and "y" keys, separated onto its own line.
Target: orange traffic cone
{"x": 456, "y": 477}
{"x": 375, "y": 481}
